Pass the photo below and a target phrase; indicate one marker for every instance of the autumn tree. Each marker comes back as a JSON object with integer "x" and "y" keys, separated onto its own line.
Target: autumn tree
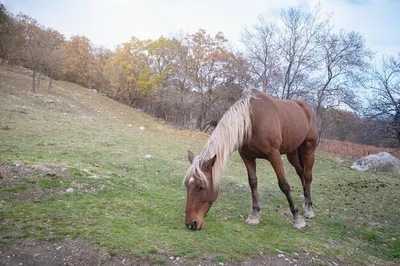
{"x": 133, "y": 72}
{"x": 102, "y": 58}
{"x": 10, "y": 39}
{"x": 34, "y": 43}
{"x": 54, "y": 58}
{"x": 210, "y": 63}
{"x": 79, "y": 65}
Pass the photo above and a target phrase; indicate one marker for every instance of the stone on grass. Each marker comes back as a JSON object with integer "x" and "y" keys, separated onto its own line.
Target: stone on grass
{"x": 147, "y": 156}
{"x": 380, "y": 162}
{"x": 70, "y": 190}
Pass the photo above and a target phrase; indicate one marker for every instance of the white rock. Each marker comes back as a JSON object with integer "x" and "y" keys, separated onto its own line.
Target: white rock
{"x": 171, "y": 258}
{"x": 142, "y": 128}
{"x": 70, "y": 190}
{"x": 147, "y": 156}
{"x": 129, "y": 125}
{"x": 381, "y": 162}
{"x": 281, "y": 255}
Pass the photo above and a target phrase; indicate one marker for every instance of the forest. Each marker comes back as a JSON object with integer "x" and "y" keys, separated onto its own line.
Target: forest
{"x": 190, "y": 80}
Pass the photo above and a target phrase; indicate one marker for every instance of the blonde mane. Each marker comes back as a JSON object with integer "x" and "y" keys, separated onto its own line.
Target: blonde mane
{"x": 232, "y": 131}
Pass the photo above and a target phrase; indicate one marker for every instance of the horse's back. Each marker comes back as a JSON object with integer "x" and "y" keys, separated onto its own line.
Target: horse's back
{"x": 282, "y": 124}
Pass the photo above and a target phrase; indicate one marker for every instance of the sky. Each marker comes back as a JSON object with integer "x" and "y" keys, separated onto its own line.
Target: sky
{"x": 112, "y": 22}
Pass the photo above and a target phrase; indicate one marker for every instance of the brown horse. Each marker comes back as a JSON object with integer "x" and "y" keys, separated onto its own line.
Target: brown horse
{"x": 259, "y": 126}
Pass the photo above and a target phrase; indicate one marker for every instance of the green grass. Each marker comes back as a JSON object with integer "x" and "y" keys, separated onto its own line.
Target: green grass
{"x": 126, "y": 203}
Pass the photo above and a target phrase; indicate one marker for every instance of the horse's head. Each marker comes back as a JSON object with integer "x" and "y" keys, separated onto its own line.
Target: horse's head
{"x": 200, "y": 192}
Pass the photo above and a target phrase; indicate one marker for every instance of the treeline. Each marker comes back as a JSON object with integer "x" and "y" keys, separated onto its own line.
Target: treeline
{"x": 190, "y": 80}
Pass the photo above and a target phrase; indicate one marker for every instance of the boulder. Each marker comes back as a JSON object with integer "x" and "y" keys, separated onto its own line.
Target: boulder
{"x": 380, "y": 162}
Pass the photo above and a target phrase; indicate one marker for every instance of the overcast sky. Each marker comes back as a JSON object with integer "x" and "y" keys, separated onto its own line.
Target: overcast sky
{"x": 112, "y": 22}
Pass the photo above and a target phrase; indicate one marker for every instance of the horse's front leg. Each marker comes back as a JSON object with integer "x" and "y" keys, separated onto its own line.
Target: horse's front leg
{"x": 254, "y": 216}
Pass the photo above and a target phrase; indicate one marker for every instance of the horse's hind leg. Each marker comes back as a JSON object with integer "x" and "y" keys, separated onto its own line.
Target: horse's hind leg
{"x": 254, "y": 216}
{"x": 308, "y": 155}
{"x": 276, "y": 161}
{"x": 295, "y": 160}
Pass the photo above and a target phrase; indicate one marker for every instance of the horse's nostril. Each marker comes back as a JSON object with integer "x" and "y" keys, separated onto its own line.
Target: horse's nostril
{"x": 192, "y": 226}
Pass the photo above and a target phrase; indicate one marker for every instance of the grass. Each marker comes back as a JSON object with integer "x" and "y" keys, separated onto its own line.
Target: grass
{"x": 124, "y": 202}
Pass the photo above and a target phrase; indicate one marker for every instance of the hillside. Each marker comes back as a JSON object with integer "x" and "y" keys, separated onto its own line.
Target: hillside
{"x": 127, "y": 208}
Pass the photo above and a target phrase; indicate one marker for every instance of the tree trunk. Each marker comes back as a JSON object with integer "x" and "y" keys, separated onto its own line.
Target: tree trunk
{"x": 39, "y": 78}
{"x": 50, "y": 84}
{"x": 201, "y": 118}
{"x": 396, "y": 123}
{"x": 34, "y": 81}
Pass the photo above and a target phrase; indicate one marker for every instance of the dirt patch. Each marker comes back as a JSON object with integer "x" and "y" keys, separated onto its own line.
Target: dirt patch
{"x": 11, "y": 175}
{"x": 14, "y": 179}
{"x": 80, "y": 252}
{"x": 19, "y": 182}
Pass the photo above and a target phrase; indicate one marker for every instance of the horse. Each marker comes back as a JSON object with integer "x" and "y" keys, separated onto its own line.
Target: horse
{"x": 258, "y": 126}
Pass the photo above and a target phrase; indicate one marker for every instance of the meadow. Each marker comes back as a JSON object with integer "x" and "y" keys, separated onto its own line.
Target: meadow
{"x": 125, "y": 201}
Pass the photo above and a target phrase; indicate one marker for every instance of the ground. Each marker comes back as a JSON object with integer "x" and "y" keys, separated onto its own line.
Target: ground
{"x": 79, "y": 252}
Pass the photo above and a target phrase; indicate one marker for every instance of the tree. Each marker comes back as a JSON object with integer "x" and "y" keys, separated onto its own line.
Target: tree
{"x": 284, "y": 56}
{"x": 385, "y": 101}
{"x": 102, "y": 58}
{"x": 210, "y": 62}
{"x": 54, "y": 58}
{"x": 34, "y": 42}
{"x": 345, "y": 60}
{"x": 79, "y": 65}
{"x": 261, "y": 53}
{"x": 10, "y": 39}
{"x": 298, "y": 47}
{"x": 132, "y": 71}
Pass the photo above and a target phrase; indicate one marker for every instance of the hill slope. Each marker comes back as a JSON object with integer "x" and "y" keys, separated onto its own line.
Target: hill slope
{"x": 132, "y": 207}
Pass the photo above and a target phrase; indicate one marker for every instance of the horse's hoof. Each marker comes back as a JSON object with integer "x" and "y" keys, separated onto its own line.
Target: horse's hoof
{"x": 309, "y": 213}
{"x": 299, "y": 223}
{"x": 253, "y": 219}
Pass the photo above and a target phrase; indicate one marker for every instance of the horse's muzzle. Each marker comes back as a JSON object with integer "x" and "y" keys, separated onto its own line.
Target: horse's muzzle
{"x": 192, "y": 225}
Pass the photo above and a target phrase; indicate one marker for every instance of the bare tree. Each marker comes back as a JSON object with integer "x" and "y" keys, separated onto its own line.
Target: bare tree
{"x": 385, "y": 100}
{"x": 261, "y": 52}
{"x": 345, "y": 62}
{"x": 284, "y": 56}
{"x": 298, "y": 46}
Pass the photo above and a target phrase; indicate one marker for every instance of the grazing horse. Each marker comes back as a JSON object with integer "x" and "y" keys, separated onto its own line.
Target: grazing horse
{"x": 259, "y": 126}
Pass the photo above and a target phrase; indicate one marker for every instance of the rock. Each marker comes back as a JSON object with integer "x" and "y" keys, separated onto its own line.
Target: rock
{"x": 70, "y": 190}
{"x": 381, "y": 162}
{"x": 142, "y": 128}
{"x": 147, "y": 156}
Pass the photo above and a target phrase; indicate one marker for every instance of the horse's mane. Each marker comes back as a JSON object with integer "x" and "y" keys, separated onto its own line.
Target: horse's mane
{"x": 232, "y": 131}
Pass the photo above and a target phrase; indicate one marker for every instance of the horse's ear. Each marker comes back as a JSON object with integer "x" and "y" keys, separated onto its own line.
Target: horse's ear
{"x": 210, "y": 163}
{"x": 190, "y": 156}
